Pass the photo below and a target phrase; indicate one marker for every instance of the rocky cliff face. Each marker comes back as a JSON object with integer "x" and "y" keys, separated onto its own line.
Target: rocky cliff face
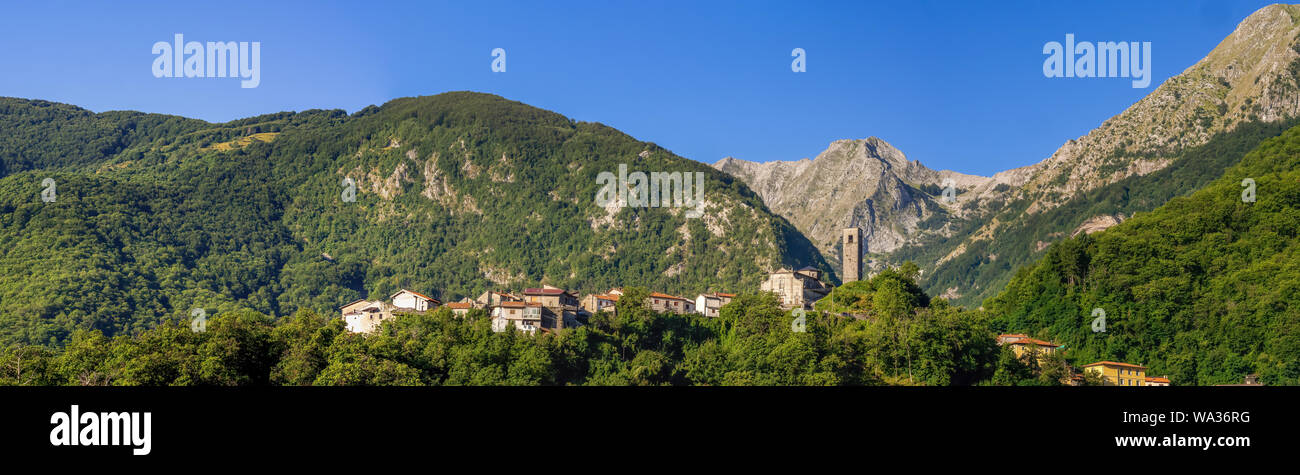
{"x": 865, "y": 183}
{"x": 1251, "y": 77}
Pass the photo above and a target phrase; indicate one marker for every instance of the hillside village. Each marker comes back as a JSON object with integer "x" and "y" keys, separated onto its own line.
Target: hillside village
{"x": 548, "y": 308}
{"x": 544, "y": 309}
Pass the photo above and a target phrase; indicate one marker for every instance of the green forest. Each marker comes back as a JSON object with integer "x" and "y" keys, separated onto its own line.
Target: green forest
{"x": 155, "y": 216}
{"x": 1205, "y": 289}
{"x": 909, "y": 341}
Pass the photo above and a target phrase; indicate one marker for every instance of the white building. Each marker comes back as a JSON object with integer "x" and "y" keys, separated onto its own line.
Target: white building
{"x": 363, "y": 316}
{"x": 523, "y": 316}
{"x": 710, "y": 305}
{"x": 409, "y": 300}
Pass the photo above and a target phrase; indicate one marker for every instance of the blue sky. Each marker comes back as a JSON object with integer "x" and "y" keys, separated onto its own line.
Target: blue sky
{"x": 956, "y": 85}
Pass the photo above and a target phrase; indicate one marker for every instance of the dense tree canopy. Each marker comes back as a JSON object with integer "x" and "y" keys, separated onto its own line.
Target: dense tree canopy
{"x": 753, "y": 342}
{"x": 155, "y": 216}
{"x": 1205, "y": 289}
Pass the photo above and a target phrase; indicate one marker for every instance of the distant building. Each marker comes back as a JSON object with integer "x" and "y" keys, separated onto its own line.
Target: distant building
{"x": 410, "y": 300}
{"x": 355, "y": 305}
{"x": 710, "y": 305}
{"x": 593, "y": 303}
{"x": 664, "y": 303}
{"x": 1118, "y": 374}
{"x": 797, "y": 288}
{"x": 522, "y": 316}
{"x": 559, "y": 306}
{"x": 364, "y": 316}
{"x": 1021, "y": 344}
{"x": 1150, "y": 381}
{"x": 1250, "y": 380}
{"x": 460, "y": 309}
{"x": 852, "y": 248}
{"x": 491, "y": 299}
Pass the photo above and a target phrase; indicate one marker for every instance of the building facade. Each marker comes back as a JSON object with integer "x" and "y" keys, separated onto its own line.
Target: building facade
{"x": 1118, "y": 374}
{"x": 665, "y": 303}
{"x": 411, "y": 300}
{"x": 523, "y": 316}
{"x": 365, "y": 316}
{"x": 796, "y": 288}
{"x": 852, "y": 249}
{"x": 559, "y": 306}
{"x": 593, "y": 303}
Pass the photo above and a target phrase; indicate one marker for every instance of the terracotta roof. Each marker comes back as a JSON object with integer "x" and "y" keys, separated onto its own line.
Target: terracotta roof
{"x": 1034, "y": 341}
{"x": 730, "y": 296}
{"x": 520, "y": 304}
{"x": 460, "y": 305}
{"x": 666, "y": 296}
{"x": 1112, "y": 363}
{"x": 352, "y": 302}
{"x": 544, "y": 291}
{"x": 426, "y": 297}
{"x": 1157, "y": 380}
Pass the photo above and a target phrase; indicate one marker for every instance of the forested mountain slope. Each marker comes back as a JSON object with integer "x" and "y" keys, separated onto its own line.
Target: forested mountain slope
{"x": 1205, "y": 289}
{"x": 155, "y": 215}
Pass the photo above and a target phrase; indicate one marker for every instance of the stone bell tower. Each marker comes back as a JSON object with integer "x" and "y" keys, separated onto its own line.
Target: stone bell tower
{"x": 852, "y": 250}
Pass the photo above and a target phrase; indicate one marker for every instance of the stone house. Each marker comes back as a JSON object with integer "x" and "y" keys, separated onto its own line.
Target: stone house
{"x": 593, "y": 303}
{"x": 559, "y": 306}
{"x": 664, "y": 303}
{"x": 796, "y": 288}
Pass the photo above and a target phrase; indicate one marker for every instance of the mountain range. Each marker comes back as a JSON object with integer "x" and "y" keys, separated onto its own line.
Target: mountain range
{"x": 1177, "y": 139}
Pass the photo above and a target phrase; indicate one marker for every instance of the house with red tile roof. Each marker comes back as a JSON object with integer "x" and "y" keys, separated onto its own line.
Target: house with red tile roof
{"x": 1118, "y": 374}
{"x": 1151, "y": 381}
{"x": 460, "y": 309}
{"x": 559, "y": 306}
{"x": 664, "y": 303}
{"x": 593, "y": 303}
